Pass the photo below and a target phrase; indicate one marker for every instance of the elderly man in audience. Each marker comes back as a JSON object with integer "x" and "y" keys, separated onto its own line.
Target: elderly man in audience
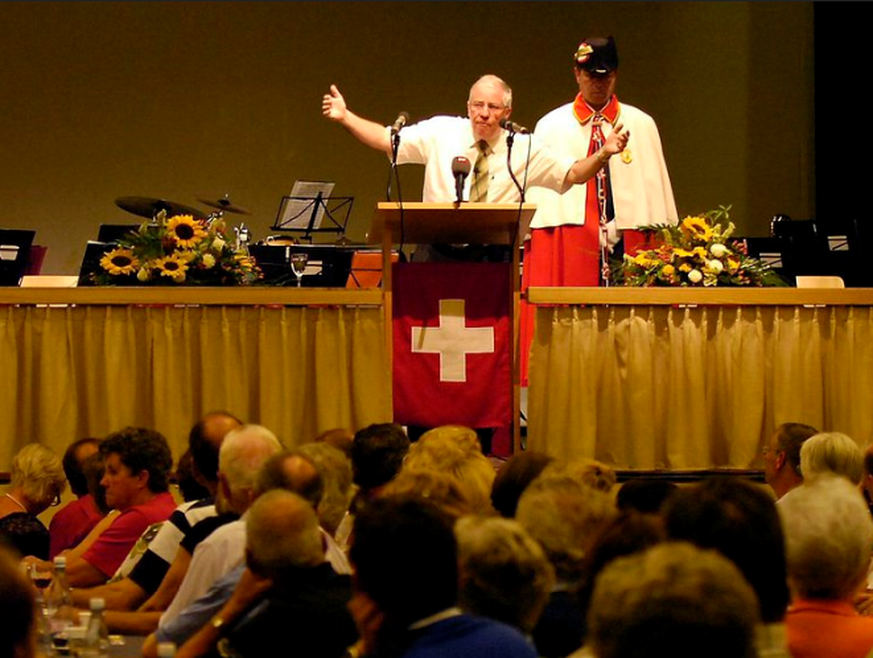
{"x": 832, "y": 453}
{"x": 288, "y": 592}
{"x": 151, "y": 584}
{"x": 137, "y": 464}
{"x": 38, "y": 481}
{"x": 406, "y": 588}
{"x": 565, "y": 516}
{"x": 75, "y": 520}
{"x": 740, "y": 520}
{"x": 672, "y": 600}
{"x": 335, "y": 468}
{"x": 505, "y": 574}
{"x": 829, "y": 539}
{"x": 290, "y": 470}
{"x": 782, "y": 457}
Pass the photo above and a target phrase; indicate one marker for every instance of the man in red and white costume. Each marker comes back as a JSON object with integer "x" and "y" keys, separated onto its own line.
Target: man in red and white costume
{"x": 568, "y": 233}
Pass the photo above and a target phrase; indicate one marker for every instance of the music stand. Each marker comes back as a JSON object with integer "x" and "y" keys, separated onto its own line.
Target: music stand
{"x": 14, "y": 249}
{"x": 306, "y": 207}
{"x": 94, "y": 251}
{"x": 112, "y": 232}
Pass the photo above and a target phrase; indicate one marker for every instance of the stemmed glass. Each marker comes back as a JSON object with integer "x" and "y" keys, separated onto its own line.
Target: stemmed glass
{"x": 298, "y": 265}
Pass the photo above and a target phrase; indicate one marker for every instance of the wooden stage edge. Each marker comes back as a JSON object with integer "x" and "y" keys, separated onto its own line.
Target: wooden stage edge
{"x": 669, "y": 296}
{"x": 193, "y": 295}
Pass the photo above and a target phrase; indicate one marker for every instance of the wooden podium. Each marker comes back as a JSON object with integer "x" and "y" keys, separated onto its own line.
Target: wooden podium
{"x": 453, "y": 223}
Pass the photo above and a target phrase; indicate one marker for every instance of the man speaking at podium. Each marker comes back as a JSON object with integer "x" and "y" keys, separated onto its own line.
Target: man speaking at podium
{"x": 480, "y": 138}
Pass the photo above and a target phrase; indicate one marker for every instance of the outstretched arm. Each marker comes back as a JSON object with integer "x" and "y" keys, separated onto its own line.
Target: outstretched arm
{"x": 585, "y": 168}
{"x": 333, "y": 106}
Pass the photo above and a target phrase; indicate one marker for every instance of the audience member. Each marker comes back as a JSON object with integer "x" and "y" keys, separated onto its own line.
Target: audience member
{"x": 378, "y": 451}
{"x": 340, "y": 438}
{"x": 38, "y": 481}
{"x": 832, "y": 453}
{"x": 782, "y": 457}
{"x": 288, "y": 593}
{"x": 243, "y": 452}
{"x": 17, "y": 610}
{"x": 153, "y": 581}
{"x": 455, "y": 450}
{"x": 290, "y": 470}
{"x": 829, "y": 539}
{"x": 589, "y": 472}
{"x": 76, "y": 519}
{"x": 189, "y": 487}
{"x": 513, "y": 477}
{"x": 434, "y": 487}
{"x": 336, "y": 477}
{"x": 504, "y": 573}
{"x": 867, "y": 481}
{"x": 645, "y": 496}
{"x": 406, "y": 588}
{"x": 628, "y": 533}
{"x": 565, "y": 516}
{"x": 672, "y": 600}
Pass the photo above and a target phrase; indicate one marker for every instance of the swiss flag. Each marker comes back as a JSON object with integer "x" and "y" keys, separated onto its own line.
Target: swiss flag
{"x": 452, "y": 344}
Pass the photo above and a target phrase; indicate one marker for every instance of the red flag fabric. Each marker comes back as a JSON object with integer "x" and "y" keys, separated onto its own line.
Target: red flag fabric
{"x": 452, "y": 344}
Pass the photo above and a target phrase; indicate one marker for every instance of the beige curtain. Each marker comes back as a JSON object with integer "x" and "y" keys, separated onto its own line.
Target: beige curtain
{"x": 77, "y": 371}
{"x": 651, "y": 387}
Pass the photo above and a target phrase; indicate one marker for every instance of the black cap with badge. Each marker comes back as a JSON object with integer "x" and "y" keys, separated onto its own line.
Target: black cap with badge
{"x": 597, "y": 55}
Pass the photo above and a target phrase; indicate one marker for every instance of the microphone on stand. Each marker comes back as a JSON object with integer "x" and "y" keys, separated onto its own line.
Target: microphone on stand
{"x": 399, "y": 122}
{"x": 514, "y": 127}
{"x": 460, "y": 170}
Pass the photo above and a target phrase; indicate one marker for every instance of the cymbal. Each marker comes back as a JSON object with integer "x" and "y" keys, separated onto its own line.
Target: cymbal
{"x": 224, "y": 204}
{"x": 149, "y": 207}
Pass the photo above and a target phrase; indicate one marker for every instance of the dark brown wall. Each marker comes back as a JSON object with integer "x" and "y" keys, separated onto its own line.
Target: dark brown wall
{"x": 183, "y": 99}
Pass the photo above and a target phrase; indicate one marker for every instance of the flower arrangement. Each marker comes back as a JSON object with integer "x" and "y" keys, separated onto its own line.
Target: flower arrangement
{"x": 696, "y": 252}
{"x": 178, "y": 250}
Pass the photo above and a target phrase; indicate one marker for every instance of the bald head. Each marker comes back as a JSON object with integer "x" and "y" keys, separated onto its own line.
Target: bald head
{"x": 205, "y": 440}
{"x": 282, "y": 532}
{"x": 293, "y": 471}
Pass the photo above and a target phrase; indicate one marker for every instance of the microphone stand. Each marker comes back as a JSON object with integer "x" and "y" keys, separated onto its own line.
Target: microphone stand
{"x": 395, "y": 146}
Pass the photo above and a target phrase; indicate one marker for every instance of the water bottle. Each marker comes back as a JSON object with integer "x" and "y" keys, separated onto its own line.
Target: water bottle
{"x": 96, "y": 644}
{"x": 59, "y": 610}
{"x": 166, "y": 649}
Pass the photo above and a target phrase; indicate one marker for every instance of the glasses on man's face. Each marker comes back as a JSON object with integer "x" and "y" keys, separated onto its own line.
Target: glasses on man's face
{"x": 480, "y": 106}
{"x": 57, "y": 500}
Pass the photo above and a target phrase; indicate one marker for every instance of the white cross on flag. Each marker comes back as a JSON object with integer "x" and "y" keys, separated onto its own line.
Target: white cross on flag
{"x": 451, "y": 344}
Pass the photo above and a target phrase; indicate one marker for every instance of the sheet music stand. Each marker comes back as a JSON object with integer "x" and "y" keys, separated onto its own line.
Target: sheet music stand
{"x": 14, "y": 250}
{"x": 308, "y": 219}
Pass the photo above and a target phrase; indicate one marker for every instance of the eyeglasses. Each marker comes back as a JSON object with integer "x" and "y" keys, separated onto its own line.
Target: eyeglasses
{"x": 57, "y": 500}
{"x": 481, "y": 105}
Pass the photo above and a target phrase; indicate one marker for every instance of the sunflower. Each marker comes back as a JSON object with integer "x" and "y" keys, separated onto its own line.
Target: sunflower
{"x": 119, "y": 261}
{"x": 173, "y": 267}
{"x": 186, "y": 231}
{"x": 698, "y": 227}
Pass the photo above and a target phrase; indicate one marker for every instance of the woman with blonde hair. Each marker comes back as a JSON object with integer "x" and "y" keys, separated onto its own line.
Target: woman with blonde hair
{"x": 38, "y": 480}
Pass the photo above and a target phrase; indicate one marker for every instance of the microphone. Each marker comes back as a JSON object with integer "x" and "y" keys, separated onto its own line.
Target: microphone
{"x": 514, "y": 127}
{"x": 399, "y": 122}
{"x": 460, "y": 170}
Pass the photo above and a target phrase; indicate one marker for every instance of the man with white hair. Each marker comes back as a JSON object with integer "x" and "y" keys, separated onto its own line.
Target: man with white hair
{"x": 243, "y": 452}
{"x": 829, "y": 538}
{"x": 832, "y": 453}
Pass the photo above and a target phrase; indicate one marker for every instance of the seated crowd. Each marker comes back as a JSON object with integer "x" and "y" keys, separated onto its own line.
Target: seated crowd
{"x": 368, "y": 544}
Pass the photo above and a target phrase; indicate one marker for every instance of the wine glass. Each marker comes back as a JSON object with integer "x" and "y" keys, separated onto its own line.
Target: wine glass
{"x": 298, "y": 265}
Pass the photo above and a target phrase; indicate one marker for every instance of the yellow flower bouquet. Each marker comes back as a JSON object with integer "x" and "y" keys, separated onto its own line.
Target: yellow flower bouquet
{"x": 697, "y": 251}
{"x": 177, "y": 251}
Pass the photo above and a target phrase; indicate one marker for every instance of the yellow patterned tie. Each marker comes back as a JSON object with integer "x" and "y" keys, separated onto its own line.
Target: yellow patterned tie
{"x": 479, "y": 188}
